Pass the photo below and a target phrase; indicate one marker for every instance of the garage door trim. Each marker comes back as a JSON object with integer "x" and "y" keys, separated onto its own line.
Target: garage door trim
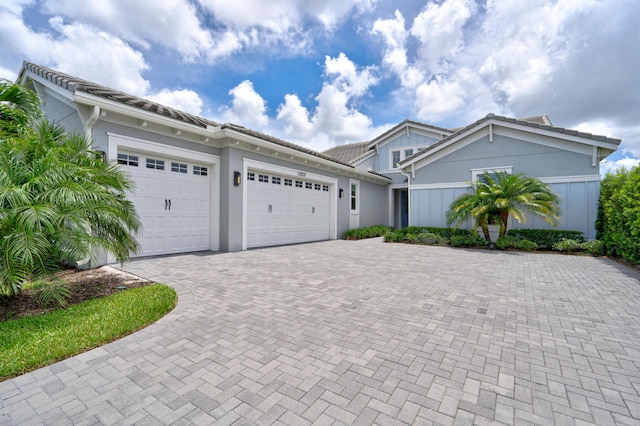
{"x": 295, "y": 173}
{"x": 127, "y": 143}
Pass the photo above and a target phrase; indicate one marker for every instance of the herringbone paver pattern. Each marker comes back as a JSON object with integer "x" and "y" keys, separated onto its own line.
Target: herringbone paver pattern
{"x": 344, "y": 332}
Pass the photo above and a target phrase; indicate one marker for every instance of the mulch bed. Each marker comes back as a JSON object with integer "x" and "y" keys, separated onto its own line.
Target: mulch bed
{"x": 84, "y": 285}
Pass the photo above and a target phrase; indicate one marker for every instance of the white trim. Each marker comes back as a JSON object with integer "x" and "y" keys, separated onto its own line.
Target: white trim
{"x": 127, "y": 143}
{"x": 445, "y": 185}
{"x": 354, "y": 215}
{"x": 570, "y": 179}
{"x": 156, "y": 148}
{"x": 285, "y": 171}
{"x": 483, "y": 170}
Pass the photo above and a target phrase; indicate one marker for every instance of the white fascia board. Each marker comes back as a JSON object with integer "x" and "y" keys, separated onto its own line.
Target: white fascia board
{"x": 420, "y": 130}
{"x": 63, "y": 93}
{"x": 311, "y": 160}
{"x": 554, "y": 135}
{"x": 130, "y": 111}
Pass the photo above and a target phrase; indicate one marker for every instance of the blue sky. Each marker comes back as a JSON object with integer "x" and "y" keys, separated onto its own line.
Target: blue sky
{"x": 326, "y": 72}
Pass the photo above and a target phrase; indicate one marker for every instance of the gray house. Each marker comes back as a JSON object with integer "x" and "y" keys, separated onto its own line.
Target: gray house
{"x": 431, "y": 166}
{"x": 202, "y": 185}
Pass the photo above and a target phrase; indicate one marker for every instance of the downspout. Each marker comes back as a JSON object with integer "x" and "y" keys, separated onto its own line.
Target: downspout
{"x": 408, "y": 196}
{"x": 95, "y": 113}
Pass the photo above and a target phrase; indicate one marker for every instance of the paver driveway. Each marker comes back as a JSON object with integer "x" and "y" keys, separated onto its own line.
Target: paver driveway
{"x": 358, "y": 333}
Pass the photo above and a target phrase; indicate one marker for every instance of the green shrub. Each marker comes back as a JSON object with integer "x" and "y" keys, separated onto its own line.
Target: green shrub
{"x": 366, "y": 232}
{"x": 394, "y": 237}
{"x": 511, "y": 242}
{"x": 431, "y": 239}
{"x": 594, "y": 247}
{"x": 568, "y": 246}
{"x": 546, "y": 238}
{"x": 470, "y": 240}
{"x": 618, "y": 223}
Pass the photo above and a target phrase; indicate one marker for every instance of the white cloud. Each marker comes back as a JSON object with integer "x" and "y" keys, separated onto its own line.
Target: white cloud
{"x": 248, "y": 108}
{"x": 170, "y": 23}
{"x": 183, "y": 100}
{"x": 612, "y": 166}
{"x": 335, "y": 118}
{"x": 282, "y": 15}
{"x": 439, "y": 29}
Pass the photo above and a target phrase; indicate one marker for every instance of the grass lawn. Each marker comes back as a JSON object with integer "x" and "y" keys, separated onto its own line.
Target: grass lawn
{"x": 40, "y": 340}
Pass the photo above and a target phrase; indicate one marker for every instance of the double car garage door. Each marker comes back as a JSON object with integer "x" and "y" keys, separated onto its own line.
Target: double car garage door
{"x": 285, "y": 209}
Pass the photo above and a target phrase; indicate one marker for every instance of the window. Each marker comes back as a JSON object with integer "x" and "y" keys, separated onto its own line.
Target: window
{"x": 128, "y": 160}
{"x": 178, "y": 167}
{"x": 308, "y": 185}
{"x": 263, "y": 178}
{"x": 479, "y": 174}
{"x": 298, "y": 184}
{"x": 408, "y": 152}
{"x": 354, "y": 196}
{"x": 275, "y": 180}
{"x": 200, "y": 171}
{"x": 395, "y": 159}
{"x": 251, "y": 176}
{"x": 288, "y": 182}
{"x": 155, "y": 164}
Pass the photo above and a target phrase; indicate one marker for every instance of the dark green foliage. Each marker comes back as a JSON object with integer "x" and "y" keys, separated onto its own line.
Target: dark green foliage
{"x": 470, "y": 240}
{"x": 59, "y": 202}
{"x": 366, "y": 232}
{"x": 510, "y": 242}
{"x": 545, "y": 238}
{"x": 618, "y": 222}
{"x": 430, "y": 238}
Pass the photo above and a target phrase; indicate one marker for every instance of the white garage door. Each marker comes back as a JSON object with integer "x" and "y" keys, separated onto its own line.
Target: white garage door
{"x": 285, "y": 210}
{"x": 172, "y": 200}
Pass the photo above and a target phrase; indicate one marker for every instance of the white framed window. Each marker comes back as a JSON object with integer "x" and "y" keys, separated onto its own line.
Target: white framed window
{"x": 355, "y": 196}
{"x": 477, "y": 174}
{"x": 152, "y": 163}
{"x": 200, "y": 170}
{"x": 395, "y": 158}
{"x": 128, "y": 160}
{"x": 178, "y": 167}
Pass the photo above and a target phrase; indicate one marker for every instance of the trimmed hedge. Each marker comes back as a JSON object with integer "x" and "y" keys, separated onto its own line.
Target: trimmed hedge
{"x": 618, "y": 223}
{"x": 546, "y": 238}
{"x": 366, "y": 232}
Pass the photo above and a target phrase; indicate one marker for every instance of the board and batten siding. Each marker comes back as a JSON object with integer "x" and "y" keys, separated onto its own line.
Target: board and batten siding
{"x": 578, "y": 205}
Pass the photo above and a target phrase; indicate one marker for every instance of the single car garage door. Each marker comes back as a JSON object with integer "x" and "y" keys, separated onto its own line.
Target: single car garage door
{"x": 172, "y": 198}
{"x": 285, "y": 210}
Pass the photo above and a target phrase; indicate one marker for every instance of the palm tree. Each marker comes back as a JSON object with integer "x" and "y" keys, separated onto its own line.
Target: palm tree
{"x": 59, "y": 203}
{"x": 18, "y": 108}
{"x": 499, "y": 195}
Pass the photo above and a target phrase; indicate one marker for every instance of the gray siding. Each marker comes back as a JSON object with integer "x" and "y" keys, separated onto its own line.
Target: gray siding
{"x": 529, "y": 158}
{"x": 413, "y": 140}
{"x": 578, "y": 208}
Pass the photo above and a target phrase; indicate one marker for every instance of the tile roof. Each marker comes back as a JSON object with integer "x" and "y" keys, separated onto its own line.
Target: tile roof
{"x": 347, "y": 152}
{"x": 75, "y": 84}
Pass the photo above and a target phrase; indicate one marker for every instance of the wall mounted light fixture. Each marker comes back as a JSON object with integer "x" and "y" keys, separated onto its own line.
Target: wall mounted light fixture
{"x": 236, "y": 178}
